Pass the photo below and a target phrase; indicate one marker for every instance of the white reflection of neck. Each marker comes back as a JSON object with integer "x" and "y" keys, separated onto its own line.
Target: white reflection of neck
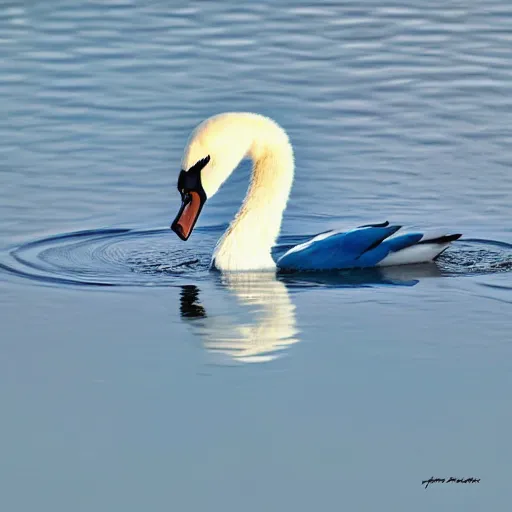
{"x": 261, "y": 328}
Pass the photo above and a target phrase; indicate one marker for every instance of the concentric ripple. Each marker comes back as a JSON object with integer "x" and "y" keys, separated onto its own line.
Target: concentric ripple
{"x": 474, "y": 256}
{"x": 110, "y": 257}
{"x": 127, "y": 257}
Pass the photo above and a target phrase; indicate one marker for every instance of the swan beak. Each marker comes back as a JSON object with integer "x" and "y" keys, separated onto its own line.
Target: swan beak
{"x": 186, "y": 219}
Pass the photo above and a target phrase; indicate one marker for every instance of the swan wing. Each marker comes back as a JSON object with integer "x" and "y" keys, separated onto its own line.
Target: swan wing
{"x": 367, "y": 246}
{"x": 427, "y": 248}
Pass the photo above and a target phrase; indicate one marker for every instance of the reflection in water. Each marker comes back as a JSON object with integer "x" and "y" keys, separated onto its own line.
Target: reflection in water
{"x": 400, "y": 275}
{"x": 190, "y": 307}
{"x": 262, "y": 323}
{"x": 256, "y": 329}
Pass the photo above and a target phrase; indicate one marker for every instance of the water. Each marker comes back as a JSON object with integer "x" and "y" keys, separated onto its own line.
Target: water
{"x": 133, "y": 378}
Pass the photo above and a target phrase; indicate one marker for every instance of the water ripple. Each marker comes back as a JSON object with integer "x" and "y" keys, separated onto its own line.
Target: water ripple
{"x": 126, "y": 257}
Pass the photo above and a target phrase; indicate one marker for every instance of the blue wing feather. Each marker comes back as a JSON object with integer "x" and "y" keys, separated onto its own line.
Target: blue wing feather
{"x": 362, "y": 247}
{"x": 398, "y": 243}
{"x": 365, "y": 246}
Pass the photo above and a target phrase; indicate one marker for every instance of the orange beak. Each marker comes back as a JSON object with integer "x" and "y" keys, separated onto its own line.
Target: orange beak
{"x": 186, "y": 219}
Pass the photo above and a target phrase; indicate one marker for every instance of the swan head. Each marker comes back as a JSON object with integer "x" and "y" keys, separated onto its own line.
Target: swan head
{"x": 213, "y": 151}
{"x": 193, "y": 197}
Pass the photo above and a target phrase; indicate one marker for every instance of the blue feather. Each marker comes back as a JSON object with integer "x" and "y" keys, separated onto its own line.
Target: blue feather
{"x": 360, "y": 247}
{"x": 366, "y": 246}
{"x": 398, "y": 243}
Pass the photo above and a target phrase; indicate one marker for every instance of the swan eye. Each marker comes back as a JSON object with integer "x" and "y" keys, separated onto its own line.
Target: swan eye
{"x": 185, "y": 195}
{"x": 191, "y": 179}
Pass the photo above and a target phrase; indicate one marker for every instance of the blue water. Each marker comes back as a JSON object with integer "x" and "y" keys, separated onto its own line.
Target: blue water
{"x": 132, "y": 378}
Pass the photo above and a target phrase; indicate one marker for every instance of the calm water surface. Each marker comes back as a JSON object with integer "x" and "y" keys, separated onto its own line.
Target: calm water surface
{"x": 132, "y": 378}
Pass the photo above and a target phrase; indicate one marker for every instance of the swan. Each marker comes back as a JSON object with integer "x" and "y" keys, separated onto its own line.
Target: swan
{"x": 214, "y": 150}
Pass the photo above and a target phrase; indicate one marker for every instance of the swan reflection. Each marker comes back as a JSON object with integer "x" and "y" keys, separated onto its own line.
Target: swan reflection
{"x": 400, "y": 275}
{"x": 256, "y": 328}
{"x": 255, "y": 322}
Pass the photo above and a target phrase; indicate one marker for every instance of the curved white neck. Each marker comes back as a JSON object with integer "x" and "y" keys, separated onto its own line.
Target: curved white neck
{"x": 247, "y": 243}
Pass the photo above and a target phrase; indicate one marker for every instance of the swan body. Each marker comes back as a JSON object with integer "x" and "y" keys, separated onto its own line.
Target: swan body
{"x": 367, "y": 246}
{"x": 215, "y": 149}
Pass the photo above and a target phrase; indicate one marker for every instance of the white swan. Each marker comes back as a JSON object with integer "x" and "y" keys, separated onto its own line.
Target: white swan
{"x": 215, "y": 149}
